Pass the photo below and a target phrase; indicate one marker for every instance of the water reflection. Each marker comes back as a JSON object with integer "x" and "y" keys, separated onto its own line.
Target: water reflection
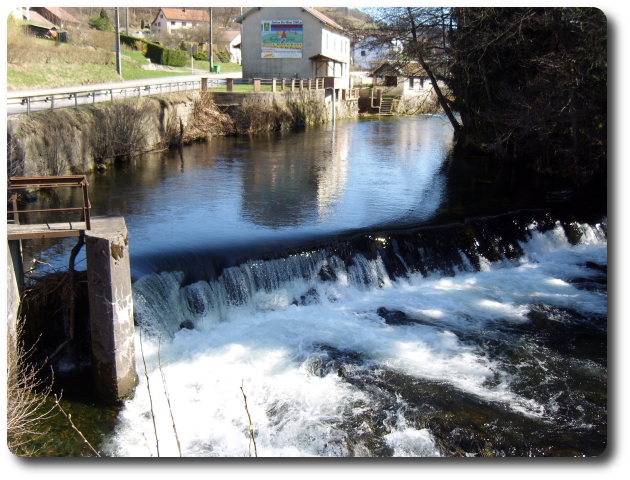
{"x": 254, "y": 193}
{"x": 294, "y": 181}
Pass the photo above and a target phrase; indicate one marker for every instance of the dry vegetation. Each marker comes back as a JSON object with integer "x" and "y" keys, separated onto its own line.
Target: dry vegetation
{"x": 26, "y": 398}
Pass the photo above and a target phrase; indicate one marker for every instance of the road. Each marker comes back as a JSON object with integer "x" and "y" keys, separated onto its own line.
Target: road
{"x": 87, "y": 94}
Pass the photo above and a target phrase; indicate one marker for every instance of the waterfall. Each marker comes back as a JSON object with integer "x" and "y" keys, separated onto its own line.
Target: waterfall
{"x": 165, "y": 301}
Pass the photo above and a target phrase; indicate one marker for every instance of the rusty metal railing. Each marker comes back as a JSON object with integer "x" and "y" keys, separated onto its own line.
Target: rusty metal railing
{"x": 48, "y": 230}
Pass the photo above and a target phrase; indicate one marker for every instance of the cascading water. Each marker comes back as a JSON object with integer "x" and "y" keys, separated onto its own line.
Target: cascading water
{"x": 482, "y": 338}
{"x": 367, "y": 289}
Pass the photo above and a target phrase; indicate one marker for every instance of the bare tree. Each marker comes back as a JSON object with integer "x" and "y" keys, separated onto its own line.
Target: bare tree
{"x": 417, "y": 34}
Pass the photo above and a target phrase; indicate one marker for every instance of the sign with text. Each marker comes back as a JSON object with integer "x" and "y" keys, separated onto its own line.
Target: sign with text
{"x": 281, "y": 39}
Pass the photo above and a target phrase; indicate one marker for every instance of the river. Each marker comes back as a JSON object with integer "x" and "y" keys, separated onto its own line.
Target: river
{"x": 370, "y": 292}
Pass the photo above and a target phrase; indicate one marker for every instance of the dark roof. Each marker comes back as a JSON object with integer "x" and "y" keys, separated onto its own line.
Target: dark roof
{"x": 320, "y": 57}
{"x": 400, "y": 69}
{"x": 317, "y": 14}
{"x": 56, "y": 12}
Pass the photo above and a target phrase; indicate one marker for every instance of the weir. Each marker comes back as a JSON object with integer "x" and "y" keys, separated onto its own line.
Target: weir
{"x": 185, "y": 294}
{"x": 109, "y": 284}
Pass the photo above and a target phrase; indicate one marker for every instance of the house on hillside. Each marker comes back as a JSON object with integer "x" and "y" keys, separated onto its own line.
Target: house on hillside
{"x": 368, "y": 54}
{"x": 230, "y": 41}
{"x": 56, "y": 15}
{"x": 36, "y": 24}
{"x": 294, "y": 42}
{"x": 169, "y": 20}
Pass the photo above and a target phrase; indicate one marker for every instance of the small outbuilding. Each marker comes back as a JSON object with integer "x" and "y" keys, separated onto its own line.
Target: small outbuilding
{"x": 400, "y": 78}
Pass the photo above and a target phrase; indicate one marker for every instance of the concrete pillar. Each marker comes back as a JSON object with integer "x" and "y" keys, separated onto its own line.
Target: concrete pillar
{"x": 111, "y": 308}
{"x": 229, "y": 84}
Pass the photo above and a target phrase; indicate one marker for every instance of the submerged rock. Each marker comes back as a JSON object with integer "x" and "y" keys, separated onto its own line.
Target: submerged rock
{"x": 187, "y": 324}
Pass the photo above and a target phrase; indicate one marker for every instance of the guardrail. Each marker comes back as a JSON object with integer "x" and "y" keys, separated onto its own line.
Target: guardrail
{"x": 73, "y": 96}
{"x": 90, "y": 94}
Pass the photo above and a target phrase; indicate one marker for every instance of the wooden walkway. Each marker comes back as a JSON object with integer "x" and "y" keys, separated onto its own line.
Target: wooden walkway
{"x": 45, "y": 230}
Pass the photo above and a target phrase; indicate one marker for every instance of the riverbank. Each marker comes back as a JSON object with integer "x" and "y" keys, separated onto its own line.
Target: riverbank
{"x": 88, "y": 138}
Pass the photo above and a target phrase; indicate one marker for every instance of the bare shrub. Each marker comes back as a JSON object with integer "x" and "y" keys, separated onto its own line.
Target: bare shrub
{"x": 119, "y": 130}
{"x": 207, "y": 120}
{"x": 15, "y": 157}
{"x": 26, "y": 400}
{"x": 172, "y": 129}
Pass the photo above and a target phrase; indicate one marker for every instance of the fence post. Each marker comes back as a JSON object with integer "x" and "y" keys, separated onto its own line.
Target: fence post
{"x": 204, "y": 84}
{"x": 284, "y": 84}
{"x": 292, "y": 84}
{"x": 256, "y": 85}
{"x": 273, "y": 85}
{"x": 229, "y": 84}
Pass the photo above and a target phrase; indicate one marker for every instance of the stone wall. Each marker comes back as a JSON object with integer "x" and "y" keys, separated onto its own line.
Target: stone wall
{"x": 62, "y": 142}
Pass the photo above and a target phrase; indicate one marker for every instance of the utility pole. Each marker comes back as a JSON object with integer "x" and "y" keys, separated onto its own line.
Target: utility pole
{"x": 118, "y": 67}
{"x": 126, "y": 20}
{"x": 210, "y": 49}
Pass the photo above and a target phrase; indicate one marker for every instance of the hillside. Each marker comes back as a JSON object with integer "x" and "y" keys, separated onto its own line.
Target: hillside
{"x": 87, "y": 57}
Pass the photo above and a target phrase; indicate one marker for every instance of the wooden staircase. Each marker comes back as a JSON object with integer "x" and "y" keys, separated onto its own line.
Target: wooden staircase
{"x": 388, "y": 105}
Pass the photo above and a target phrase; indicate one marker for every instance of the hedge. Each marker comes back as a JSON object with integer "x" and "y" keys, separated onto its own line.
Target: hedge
{"x": 156, "y": 53}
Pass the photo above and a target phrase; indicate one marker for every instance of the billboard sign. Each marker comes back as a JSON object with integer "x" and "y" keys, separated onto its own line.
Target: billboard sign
{"x": 281, "y": 39}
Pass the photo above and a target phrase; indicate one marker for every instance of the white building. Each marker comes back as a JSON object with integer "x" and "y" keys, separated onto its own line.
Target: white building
{"x": 367, "y": 54}
{"x": 293, "y": 42}
{"x": 169, "y": 20}
{"x": 230, "y": 41}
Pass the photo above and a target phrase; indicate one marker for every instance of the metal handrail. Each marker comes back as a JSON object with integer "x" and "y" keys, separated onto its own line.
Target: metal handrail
{"x": 137, "y": 89}
{"x": 18, "y": 183}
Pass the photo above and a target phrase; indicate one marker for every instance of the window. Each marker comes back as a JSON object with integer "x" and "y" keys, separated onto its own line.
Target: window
{"x": 173, "y": 23}
{"x": 363, "y": 53}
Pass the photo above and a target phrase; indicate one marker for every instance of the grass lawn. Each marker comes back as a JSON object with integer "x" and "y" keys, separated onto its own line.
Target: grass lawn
{"x": 46, "y": 64}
